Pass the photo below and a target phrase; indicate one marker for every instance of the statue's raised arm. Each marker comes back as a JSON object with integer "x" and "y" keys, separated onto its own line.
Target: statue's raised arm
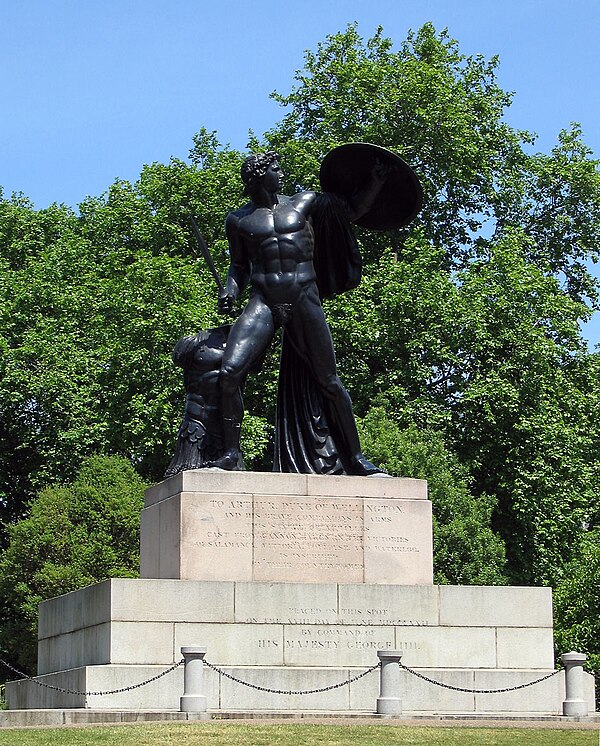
{"x": 382, "y": 189}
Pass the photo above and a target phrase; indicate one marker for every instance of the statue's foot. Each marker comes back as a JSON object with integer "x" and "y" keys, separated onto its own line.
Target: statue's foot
{"x": 230, "y": 461}
{"x": 362, "y": 467}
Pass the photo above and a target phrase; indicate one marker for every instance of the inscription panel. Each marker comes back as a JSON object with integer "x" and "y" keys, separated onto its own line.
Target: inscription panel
{"x": 216, "y": 537}
{"x": 335, "y": 645}
{"x": 234, "y": 644}
{"x": 398, "y": 541}
{"x": 308, "y": 539}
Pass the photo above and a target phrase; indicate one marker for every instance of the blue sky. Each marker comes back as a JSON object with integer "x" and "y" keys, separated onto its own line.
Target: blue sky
{"x": 91, "y": 91}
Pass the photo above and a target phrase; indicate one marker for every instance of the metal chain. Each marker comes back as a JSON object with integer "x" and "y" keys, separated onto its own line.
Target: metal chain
{"x": 89, "y": 694}
{"x": 291, "y": 691}
{"x": 477, "y": 691}
{"x": 275, "y": 691}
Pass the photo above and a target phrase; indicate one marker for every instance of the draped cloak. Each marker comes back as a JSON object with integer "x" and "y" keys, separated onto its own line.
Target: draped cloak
{"x": 306, "y": 438}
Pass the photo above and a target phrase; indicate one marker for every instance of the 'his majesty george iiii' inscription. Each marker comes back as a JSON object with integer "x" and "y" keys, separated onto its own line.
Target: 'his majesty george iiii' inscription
{"x": 374, "y": 536}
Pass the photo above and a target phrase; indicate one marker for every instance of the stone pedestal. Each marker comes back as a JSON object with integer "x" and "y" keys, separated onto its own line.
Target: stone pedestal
{"x": 293, "y": 582}
{"x": 214, "y": 525}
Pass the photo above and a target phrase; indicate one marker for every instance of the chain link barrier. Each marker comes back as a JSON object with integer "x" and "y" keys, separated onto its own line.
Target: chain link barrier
{"x": 291, "y": 691}
{"x": 478, "y": 691}
{"x": 61, "y": 689}
{"x": 329, "y": 688}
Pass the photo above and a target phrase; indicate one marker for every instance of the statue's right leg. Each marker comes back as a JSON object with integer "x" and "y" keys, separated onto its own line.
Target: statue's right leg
{"x": 249, "y": 337}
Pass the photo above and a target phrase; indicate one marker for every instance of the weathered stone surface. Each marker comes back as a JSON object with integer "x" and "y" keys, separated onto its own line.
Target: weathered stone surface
{"x": 235, "y": 696}
{"x": 530, "y": 648}
{"x": 114, "y": 642}
{"x": 172, "y": 600}
{"x": 228, "y": 483}
{"x": 216, "y": 537}
{"x": 235, "y": 644}
{"x": 335, "y": 645}
{"x": 345, "y": 570}
{"x": 502, "y": 606}
{"x": 314, "y": 539}
{"x": 72, "y": 611}
{"x": 169, "y": 538}
{"x": 132, "y": 599}
{"x": 25, "y": 695}
{"x": 149, "y": 548}
{"x": 446, "y": 647}
{"x": 545, "y": 696}
{"x": 291, "y": 537}
{"x": 87, "y": 646}
{"x": 418, "y": 696}
{"x": 286, "y": 603}
{"x": 377, "y": 487}
{"x": 271, "y": 483}
{"x": 398, "y": 544}
{"x": 388, "y": 604}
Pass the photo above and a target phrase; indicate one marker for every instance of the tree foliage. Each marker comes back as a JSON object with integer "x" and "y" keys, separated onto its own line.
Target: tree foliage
{"x": 576, "y": 604}
{"x": 91, "y": 306}
{"x": 74, "y": 535}
{"x": 468, "y": 321}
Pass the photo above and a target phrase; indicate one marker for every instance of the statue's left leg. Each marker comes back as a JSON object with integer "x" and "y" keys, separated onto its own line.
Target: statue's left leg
{"x": 309, "y": 333}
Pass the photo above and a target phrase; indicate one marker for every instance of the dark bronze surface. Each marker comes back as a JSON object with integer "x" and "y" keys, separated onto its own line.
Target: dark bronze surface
{"x": 292, "y": 252}
{"x": 346, "y": 168}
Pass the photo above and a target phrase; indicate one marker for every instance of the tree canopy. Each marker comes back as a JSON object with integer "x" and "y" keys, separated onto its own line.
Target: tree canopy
{"x": 74, "y": 535}
{"x": 461, "y": 348}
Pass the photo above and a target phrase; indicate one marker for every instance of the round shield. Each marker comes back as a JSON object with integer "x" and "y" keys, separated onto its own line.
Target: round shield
{"x": 347, "y": 169}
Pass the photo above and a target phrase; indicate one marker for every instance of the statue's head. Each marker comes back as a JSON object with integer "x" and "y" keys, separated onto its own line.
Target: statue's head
{"x": 255, "y": 167}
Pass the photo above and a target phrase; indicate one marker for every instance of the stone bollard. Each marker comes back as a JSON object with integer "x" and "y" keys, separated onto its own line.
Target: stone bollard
{"x": 194, "y": 699}
{"x": 389, "y": 701}
{"x": 574, "y": 704}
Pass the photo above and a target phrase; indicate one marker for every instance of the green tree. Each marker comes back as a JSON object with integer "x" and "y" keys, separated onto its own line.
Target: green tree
{"x": 75, "y": 535}
{"x": 576, "y": 604}
{"x": 439, "y": 109}
{"x": 91, "y": 307}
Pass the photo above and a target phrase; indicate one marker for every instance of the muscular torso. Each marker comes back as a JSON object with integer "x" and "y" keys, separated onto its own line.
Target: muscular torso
{"x": 278, "y": 244}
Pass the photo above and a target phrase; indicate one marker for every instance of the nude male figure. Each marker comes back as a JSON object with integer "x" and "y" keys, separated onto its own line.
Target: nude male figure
{"x": 271, "y": 244}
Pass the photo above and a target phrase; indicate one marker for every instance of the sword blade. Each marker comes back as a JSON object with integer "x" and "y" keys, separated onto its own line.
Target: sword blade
{"x": 204, "y": 250}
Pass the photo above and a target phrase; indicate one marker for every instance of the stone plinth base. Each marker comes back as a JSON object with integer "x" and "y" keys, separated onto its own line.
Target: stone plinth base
{"x": 293, "y": 582}
{"x": 296, "y": 636}
{"x": 245, "y": 526}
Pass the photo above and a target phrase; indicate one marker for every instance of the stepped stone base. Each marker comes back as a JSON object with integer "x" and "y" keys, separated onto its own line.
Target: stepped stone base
{"x": 296, "y": 636}
{"x": 216, "y": 525}
{"x": 292, "y": 582}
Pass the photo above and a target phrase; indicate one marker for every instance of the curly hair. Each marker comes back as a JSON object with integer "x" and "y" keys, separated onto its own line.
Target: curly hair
{"x": 256, "y": 166}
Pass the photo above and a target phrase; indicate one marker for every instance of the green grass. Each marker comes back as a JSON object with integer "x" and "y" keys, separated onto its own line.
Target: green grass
{"x": 226, "y": 734}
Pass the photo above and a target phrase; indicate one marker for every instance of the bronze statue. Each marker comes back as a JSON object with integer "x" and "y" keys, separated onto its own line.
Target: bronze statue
{"x": 294, "y": 251}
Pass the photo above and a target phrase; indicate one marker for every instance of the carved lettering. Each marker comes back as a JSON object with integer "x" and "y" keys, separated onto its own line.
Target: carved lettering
{"x": 308, "y": 534}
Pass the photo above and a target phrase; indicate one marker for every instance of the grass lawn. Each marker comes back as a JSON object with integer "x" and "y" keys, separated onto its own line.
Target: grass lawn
{"x": 226, "y": 734}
